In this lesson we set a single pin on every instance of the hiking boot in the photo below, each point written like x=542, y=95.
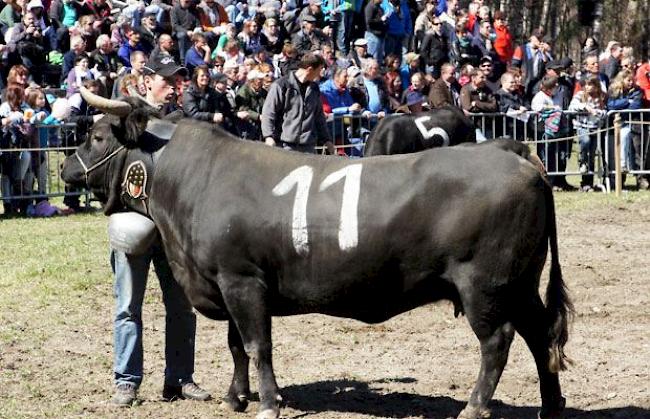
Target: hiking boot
x=643, y=183
x=125, y=395
x=187, y=391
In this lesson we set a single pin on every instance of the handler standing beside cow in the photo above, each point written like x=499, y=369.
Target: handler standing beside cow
x=292, y=116
x=134, y=245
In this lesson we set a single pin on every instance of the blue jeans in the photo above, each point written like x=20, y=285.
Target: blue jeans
x=588, y=143
x=343, y=28
x=375, y=46
x=180, y=321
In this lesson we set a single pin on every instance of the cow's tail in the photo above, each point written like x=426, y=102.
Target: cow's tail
x=558, y=303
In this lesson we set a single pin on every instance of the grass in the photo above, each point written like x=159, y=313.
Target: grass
x=56, y=301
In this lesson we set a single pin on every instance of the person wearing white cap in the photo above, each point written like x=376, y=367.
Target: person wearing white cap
x=249, y=102
x=360, y=52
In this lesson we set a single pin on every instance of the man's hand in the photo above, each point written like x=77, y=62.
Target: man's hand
x=354, y=108
x=242, y=115
x=329, y=147
x=217, y=118
x=269, y=141
x=381, y=114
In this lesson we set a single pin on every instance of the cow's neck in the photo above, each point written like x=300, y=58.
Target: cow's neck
x=140, y=165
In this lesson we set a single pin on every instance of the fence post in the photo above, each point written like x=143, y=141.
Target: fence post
x=617, y=154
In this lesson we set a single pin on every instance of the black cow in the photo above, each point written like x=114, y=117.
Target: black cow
x=253, y=232
x=401, y=134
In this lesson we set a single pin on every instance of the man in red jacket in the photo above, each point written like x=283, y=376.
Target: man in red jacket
x=503, y=44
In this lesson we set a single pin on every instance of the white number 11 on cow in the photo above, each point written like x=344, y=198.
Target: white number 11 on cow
x=301, y=178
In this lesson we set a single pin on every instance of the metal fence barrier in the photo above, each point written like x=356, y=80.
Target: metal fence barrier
x=28, y=174
x=30, y=166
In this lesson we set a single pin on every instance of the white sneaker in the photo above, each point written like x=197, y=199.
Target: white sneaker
x=583, y=168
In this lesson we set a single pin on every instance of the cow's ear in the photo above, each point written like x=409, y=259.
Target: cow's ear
x=119, y=133
x=135, y=125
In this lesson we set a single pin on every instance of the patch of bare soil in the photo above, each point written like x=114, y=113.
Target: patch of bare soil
x=420, y=364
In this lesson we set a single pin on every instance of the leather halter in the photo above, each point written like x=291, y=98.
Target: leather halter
x=99, y=163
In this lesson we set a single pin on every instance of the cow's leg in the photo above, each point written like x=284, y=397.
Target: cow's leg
x=494, y=355
x=531, y=323
x=245, y=298
x=239, y=392
x=485, y=312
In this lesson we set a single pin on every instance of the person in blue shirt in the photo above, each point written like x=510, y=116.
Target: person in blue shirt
x=400, y=26
x=131, y=45
x=337, y=100
x=199, y=54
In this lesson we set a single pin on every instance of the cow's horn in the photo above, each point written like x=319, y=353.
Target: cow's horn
x=114, y=107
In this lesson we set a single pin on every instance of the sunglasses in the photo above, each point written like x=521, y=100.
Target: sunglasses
x=485, y=65
x=436, y=23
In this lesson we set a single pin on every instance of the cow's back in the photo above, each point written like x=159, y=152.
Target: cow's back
x=410, y=133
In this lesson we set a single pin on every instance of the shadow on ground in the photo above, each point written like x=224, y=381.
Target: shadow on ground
x=350, y=396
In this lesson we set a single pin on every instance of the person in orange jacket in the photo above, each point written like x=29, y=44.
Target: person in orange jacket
x=503, y=44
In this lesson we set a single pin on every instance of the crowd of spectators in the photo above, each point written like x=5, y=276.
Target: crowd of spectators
x=381, y=57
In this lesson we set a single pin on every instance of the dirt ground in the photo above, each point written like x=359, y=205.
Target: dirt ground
x=420, y=364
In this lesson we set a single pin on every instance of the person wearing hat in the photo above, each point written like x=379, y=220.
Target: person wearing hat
x=249, y=102
x=149, y=31
x=486, y=65
x=315, y=10
x=359, y=53
x=292, y=115
x=134, y=246
x=309, y=38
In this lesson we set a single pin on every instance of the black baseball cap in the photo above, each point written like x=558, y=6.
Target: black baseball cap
x=165, y=67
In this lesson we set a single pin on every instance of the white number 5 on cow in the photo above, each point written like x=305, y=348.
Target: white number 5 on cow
x=348, y=223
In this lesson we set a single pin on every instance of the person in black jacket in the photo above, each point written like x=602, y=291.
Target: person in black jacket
x=201, y=101
x=512, y=102
x=376, y=28
x=435, y=49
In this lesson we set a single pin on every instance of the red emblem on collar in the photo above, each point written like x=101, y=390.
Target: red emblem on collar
x=135, y=180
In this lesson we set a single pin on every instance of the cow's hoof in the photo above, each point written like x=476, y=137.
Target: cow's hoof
x=235, y=404
x=471, y=412
x=268, y=414
x=555, y=412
